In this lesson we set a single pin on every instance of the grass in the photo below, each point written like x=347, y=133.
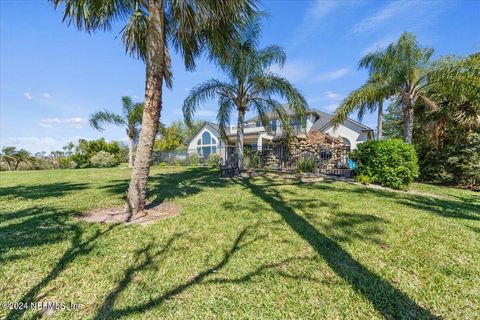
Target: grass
x=243, y=248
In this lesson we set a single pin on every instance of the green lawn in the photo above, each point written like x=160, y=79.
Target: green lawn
x=243, y=248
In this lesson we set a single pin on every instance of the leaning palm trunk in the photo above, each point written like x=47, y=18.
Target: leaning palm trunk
x=379, y=120
x=137, y=190
x=240, y=126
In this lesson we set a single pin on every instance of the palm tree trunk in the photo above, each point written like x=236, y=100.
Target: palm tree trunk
x=137, y=190
x=379, y=120
x=130, y=151
x=408, y=129
x=240, y=126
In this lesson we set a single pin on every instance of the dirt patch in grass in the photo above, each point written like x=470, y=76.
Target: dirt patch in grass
x=152, y=214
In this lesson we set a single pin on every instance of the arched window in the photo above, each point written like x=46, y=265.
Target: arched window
x=206, y=145
x=206, y=138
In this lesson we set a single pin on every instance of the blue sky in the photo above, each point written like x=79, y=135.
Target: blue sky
x=53, y=76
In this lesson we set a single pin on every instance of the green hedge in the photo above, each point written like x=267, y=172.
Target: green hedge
x=390, y=163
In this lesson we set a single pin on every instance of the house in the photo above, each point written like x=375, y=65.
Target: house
x=208, y=139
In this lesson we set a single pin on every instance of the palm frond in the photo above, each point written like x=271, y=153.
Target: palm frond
x=363, y=100
x=271, y=55
x=226, y=106
x=270, y=84
x=135, y=115
x=127, y=105
x=134, y=34
x=100, y=118
x=202, y=93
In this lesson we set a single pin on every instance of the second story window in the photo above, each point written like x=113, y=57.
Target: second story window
x=274, y=125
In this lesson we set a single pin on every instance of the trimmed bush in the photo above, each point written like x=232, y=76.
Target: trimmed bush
x=193, y=159
x=306, y=165
x=213, y=160
x=103, y=159
x=390, y=163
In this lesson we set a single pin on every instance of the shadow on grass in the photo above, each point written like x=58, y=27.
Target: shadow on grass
x=186, y=182
x=204, y=277
x=389, y=301
x=35, y=192
x=463, y=208
x=78, y=247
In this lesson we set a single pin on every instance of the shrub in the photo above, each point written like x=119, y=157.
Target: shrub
x=390, y=163
x=193, y=159
x=213, y=160
x=363, y=179
x=103, y=159
x=306, y=165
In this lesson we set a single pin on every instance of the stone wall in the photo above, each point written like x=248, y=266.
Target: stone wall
x=328, y=152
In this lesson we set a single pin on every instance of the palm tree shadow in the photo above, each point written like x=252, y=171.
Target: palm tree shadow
x=107, y=312
x=35, y=192
x=78, y=247
x=186, y=182
x=385, y=298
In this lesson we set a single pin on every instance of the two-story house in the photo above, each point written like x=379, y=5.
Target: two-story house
x=208, y=139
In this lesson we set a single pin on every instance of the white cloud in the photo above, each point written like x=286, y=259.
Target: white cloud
x=49, y=122
x=372, y=22
x=332, y=95
x=46, y=95
x=332, y=75
x=75, y=122
x=28, y=95
x=331, y=107
x=403, y=15
x=294, y=71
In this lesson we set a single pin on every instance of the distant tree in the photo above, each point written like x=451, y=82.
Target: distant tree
x=251, y=86
x=131, y=118
x=169, y=138
x=186, y=132
x=393, y=121
x=13, y=157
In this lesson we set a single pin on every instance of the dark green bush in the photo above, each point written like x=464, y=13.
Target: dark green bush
x=390, y=163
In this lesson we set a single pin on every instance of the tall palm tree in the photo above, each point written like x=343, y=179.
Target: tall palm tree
x=366, y=99
x=131, y=118
x=152, y=27
x=402, y=71
x=251, y=87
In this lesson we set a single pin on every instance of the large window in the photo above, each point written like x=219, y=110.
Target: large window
x=206, y=145
x=347, y=143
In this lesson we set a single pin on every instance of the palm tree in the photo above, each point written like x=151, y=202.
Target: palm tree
x=190, y=26
x=371, y=95
x=367, y=98
x=402, y=71
x=131, y=118
x=251, y=87
x=14, y=157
